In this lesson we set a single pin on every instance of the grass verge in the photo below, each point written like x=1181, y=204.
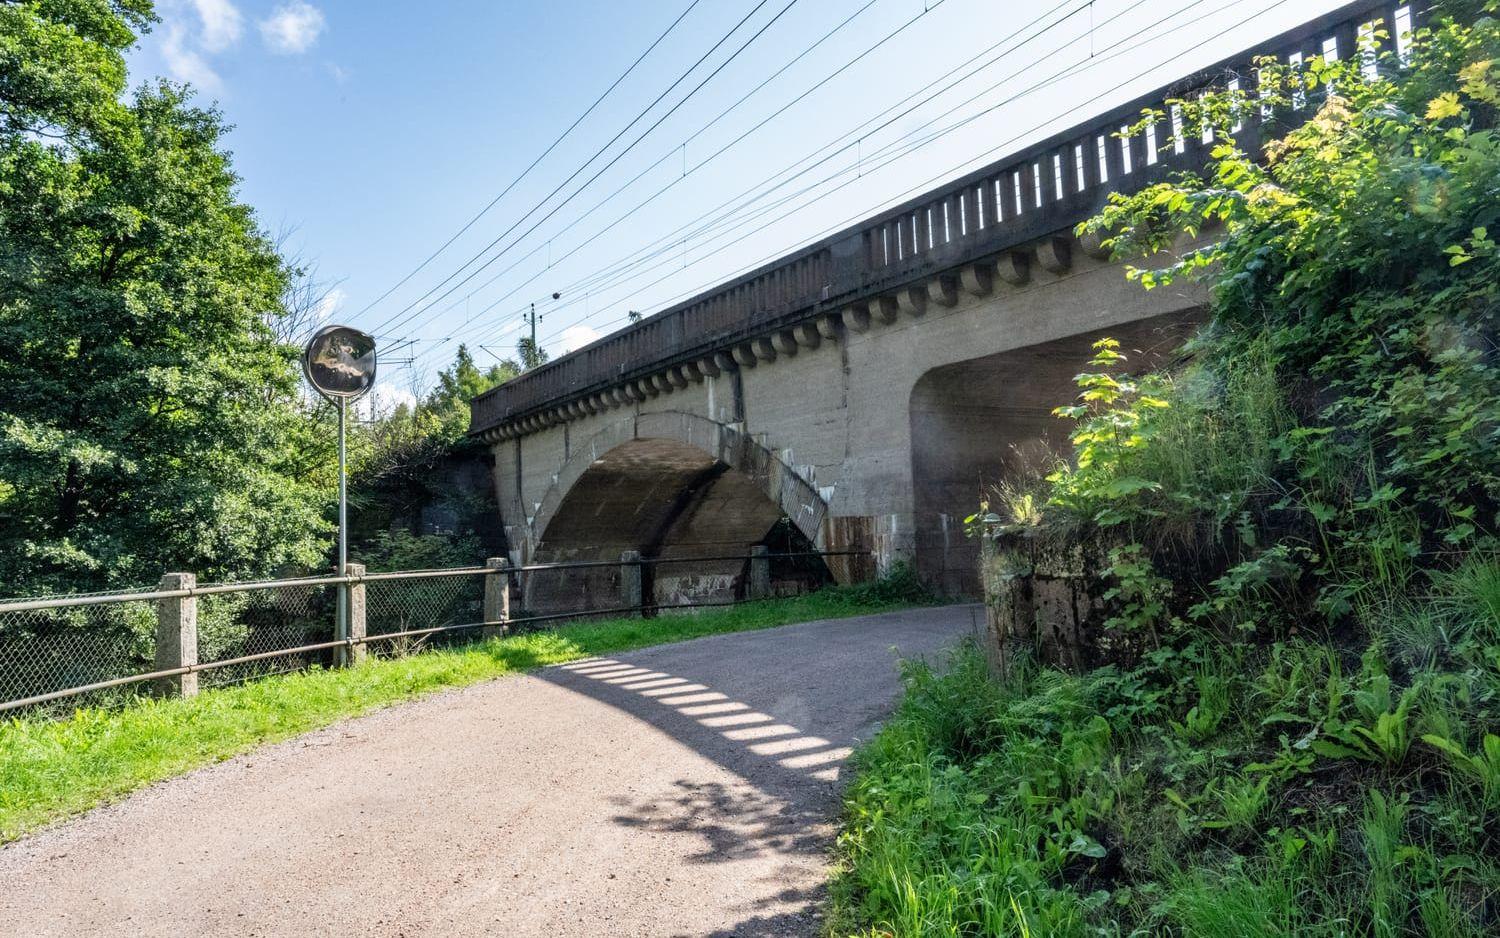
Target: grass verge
x=1233, y=793
x=52, y=768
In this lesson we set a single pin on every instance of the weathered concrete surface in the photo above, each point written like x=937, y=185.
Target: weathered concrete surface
x=881, y=436
x=684, y=790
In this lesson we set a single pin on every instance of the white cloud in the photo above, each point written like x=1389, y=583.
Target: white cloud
x=573, y=338
x=383, y=400
x=221, y=24
x=328, y=305
x=292, y=28
x=185, y=63
x=195, y=30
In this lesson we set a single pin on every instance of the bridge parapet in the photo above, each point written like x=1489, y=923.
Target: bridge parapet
x=989, y=225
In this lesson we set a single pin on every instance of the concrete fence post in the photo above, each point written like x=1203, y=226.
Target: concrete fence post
x=759, y=586
x=358, y=627
x=177, y=635
x=630, y=580
x=496, y=598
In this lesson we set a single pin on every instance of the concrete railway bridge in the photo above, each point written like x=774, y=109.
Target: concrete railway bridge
x=863, y=391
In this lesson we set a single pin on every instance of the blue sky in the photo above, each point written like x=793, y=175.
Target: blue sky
x=375, y=131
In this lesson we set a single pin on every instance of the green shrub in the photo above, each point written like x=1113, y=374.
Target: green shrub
x=1301, y=520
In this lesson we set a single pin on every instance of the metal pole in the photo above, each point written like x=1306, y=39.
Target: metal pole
x=341, y=626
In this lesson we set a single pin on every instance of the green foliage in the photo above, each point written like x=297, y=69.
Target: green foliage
x=150, y=419
x=1299, y=529
x=408, y=465
x=448, y=401
x=1358, y=261
x=62, y=66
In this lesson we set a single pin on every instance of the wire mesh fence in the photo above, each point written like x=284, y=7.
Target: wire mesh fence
x=60, y=652
x=44, y=651
x=246, y=624
x=395, y=607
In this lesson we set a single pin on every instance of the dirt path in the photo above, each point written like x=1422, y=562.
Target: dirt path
x=681, y=790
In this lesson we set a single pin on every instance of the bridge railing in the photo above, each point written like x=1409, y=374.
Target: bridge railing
x=103, y=649
x=1046, y=188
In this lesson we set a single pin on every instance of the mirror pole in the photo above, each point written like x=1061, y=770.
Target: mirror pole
x=341, y=626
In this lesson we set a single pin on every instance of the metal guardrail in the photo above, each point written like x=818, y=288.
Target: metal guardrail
x=1043, y=189
x=64, y=647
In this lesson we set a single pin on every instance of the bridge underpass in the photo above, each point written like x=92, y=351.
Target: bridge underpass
x=665, y=499
x=865, y=390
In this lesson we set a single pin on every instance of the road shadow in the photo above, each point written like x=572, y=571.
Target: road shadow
x=783, y=710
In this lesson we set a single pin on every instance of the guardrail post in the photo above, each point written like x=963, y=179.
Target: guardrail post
x=358, y=628
x=759, y=586
x=177, y=635
x=496, y=598
x=630, y=580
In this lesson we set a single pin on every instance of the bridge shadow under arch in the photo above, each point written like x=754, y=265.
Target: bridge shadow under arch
x=671, y=486
x=979, y=423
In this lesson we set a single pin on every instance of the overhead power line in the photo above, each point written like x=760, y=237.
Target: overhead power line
x=927, y=183
x=1080, y=5
x=534, y=163
x=600, y=152
x=675, y=150
x=732, y=216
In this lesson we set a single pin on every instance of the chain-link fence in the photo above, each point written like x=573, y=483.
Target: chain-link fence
x=58, y=652
x=248, y=624
x=51, y=649
x=394, y=608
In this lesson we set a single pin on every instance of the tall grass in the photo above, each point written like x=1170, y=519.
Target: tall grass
x=1214, y=791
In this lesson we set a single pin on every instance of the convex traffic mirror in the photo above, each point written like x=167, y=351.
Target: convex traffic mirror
x=339, y=362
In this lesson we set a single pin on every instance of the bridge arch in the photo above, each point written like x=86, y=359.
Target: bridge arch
x=669, y=485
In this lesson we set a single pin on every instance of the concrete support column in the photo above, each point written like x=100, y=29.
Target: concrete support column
x=979, y=279
x=1014, y=268
x=496, y=598
x=630, y=580
x=1092, y=243
x=358, y=627
x=177, y=635
x=759, y=584
x=913, y=301
x=828, y=326
x=1056, y=254
x=857, y=318
x=807, y=335
x=943, y=290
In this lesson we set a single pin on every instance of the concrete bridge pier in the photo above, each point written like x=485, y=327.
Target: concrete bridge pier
x=878, y=427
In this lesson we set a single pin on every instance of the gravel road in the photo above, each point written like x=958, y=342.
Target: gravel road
x=687, y=789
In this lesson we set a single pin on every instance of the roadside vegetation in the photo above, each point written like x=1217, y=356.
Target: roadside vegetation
x=51, y=768
x=1288, y=718
x=151, y=410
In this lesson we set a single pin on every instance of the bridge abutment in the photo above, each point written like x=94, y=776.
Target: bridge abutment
x=880, y=440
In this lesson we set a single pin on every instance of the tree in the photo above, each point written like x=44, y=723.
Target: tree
x=148, y=418
x=530, y=353
x=413, y=456
x=62, y=67
x=448, y=402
